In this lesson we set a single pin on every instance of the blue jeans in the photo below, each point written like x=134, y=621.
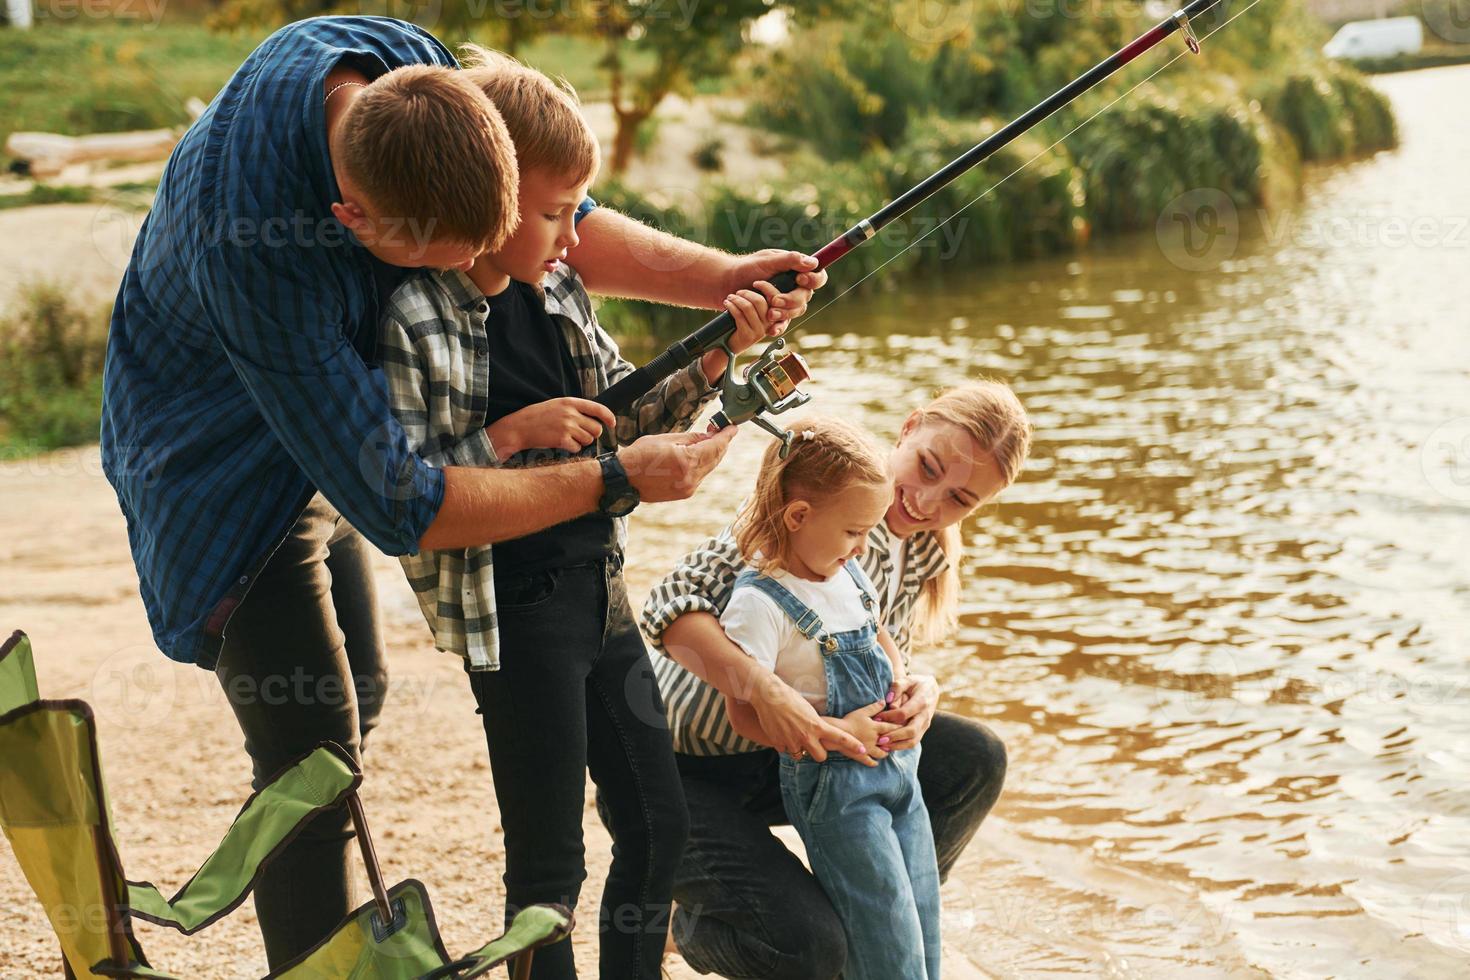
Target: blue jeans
x=575, y=695
x=747, y=907
x=866, y=829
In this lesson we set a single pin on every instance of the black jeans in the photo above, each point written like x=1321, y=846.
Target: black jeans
x=747, y=907
x=575, y=693
x=302, y=663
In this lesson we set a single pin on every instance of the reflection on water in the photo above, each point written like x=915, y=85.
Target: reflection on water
x=1221, y=623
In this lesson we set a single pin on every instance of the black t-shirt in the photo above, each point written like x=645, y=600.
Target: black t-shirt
x=530, y=363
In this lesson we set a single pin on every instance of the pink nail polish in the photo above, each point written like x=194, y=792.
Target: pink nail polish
x=888, y=697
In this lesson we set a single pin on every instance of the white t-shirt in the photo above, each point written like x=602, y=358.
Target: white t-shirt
x=899, y=549
x=762, y=628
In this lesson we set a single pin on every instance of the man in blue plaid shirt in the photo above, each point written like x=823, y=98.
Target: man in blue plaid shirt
x=247, y=429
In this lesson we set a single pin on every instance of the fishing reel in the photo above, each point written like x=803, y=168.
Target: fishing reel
x=769, y=385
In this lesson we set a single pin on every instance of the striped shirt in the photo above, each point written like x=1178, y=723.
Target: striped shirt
x=434, y=353
x=703, y=581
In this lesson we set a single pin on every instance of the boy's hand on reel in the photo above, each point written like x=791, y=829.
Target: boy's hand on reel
x=751, y=310
x=760, y=266
x=568, y=423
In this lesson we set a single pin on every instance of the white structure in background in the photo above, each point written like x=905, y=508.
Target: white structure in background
x=1376, y=38
x=18, y=13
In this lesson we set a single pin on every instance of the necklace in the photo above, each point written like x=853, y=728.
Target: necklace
x=341, y=85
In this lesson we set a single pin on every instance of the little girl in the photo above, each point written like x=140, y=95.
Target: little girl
x=806, y=610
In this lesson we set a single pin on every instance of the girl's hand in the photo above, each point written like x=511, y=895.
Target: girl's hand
x=915, y=699
x=560, y=423
x=751, y=310
x=876, y=736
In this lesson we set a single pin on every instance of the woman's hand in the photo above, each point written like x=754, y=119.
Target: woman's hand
x=915, y=699
x=559, y=423
x=793, y=726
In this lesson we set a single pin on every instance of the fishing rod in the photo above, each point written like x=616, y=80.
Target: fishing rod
x=771, y=383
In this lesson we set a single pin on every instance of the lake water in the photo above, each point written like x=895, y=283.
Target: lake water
x=1221, y=623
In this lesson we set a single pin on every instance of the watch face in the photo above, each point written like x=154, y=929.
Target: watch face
x=622, y=506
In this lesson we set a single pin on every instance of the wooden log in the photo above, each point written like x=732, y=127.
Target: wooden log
x=47, y=154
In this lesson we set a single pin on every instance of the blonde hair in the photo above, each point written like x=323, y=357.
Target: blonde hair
x=835, y=456
x=989, y=411
x=425, y=144
x=543, y=116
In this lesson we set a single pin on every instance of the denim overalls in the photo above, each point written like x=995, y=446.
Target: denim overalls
x=866, y=830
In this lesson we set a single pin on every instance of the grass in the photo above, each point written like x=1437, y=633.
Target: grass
x=51, y=356
x=1428, y=58
x=52, y=84
x=46, y=194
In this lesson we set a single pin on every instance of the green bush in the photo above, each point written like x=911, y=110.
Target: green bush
x=1151, y=148
x=51, y=358
x=1330, y=114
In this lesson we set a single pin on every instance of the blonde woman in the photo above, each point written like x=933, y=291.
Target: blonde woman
x=746, y=906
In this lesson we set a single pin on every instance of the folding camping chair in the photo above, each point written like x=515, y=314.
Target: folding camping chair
x=54, y=811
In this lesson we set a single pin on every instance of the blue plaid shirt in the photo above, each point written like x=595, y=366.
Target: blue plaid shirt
x=240, y=375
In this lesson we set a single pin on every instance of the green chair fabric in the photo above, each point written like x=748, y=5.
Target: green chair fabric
x=267, y=823
x=17, y=673
x=54, y=812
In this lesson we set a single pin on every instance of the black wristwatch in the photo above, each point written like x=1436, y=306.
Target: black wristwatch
x=618, y=495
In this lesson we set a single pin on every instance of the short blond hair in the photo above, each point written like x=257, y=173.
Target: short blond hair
x=424, y=144
x=543, y=115
x=835, y=456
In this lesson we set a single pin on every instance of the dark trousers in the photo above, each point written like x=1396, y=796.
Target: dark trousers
x=574, y=694
x=302, y=663
x=747, y=907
